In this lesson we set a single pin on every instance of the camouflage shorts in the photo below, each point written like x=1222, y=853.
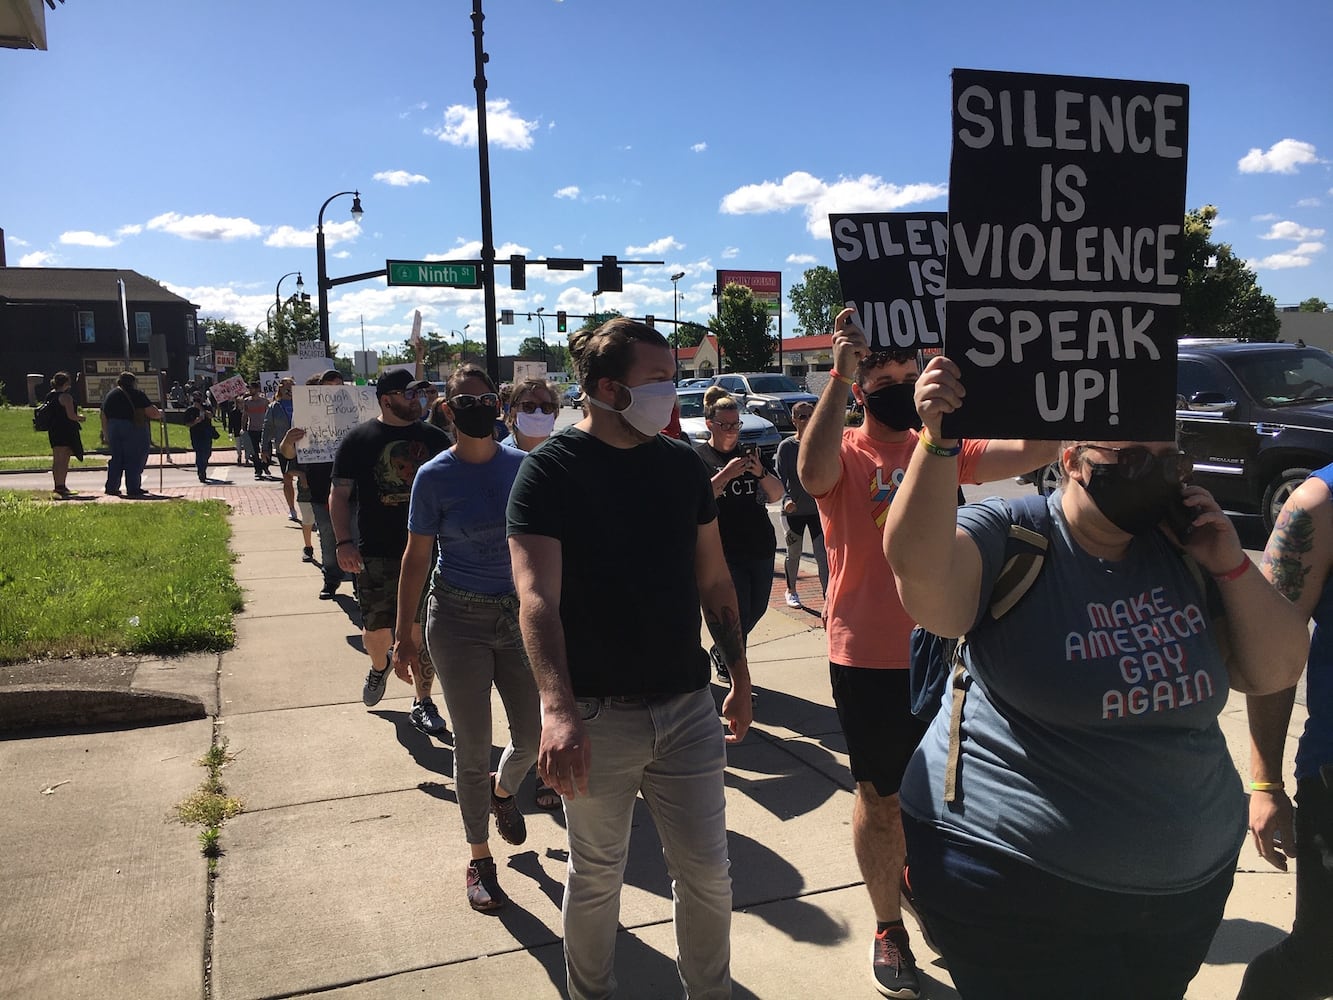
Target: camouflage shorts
x=377, y=593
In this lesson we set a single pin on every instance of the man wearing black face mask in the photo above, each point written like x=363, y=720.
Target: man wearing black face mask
x=379, y=459
x=853, y=473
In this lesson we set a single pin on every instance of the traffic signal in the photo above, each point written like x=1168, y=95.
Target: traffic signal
x=518, y=272
x=609, y=275
x=560, y=325
x=650, y=321
x=303, y=303
x=507, y=317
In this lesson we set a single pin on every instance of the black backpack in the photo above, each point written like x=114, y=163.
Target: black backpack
x=46, y=415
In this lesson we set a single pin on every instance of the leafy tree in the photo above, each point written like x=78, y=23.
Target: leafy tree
x=536, y=349
x=595, y=320
x=1224, y=299
x=816, y=300
x=1314, y=305
x=272, y=344
x=688, y=335
x=223, y=335
x=743, y=330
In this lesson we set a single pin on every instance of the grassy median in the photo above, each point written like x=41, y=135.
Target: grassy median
x=18, y=439
x=88, y=579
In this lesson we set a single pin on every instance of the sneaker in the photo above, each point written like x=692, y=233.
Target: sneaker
x=308, y=554
x=723, y=674
x=329, y=592
x=892, y=965
x=792, y=600
x=426, y=718
x=483, y=887
x=908, y=903
x=373, y=690
x=292, y=516
x=509, y=823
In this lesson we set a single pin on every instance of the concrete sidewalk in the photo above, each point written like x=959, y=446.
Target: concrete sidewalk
x=344, y=875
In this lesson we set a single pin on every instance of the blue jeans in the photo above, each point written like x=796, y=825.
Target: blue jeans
x=1010, y=931
x=328, y=546
x=129, y=455
x=1301, y=966
x=474, y=642
x=671, y=750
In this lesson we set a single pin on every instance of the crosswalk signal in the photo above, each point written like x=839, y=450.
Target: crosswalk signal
x=560, y=325
x=518, y=272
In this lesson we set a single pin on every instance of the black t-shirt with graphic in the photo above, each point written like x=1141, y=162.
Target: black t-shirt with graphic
x=742, y=514
x=383, y=460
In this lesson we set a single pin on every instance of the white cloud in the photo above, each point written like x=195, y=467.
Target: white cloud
x=698, y=147
x=1299, y=257
x=1266, y=217
x=1288, y=230
x=84, y=238
x=334, y=233
x=1309, y=203
x=866, y=193
x=205, y=227
x=38, y=258
x=731, y=253
x=1283, y=157
x=503, y=127
x=341, y=254
x=18, y=242
x=133, y=229
x=664, y=245
x=227, y=302
x=400, y=178
x=802, y=258
x=572, y=191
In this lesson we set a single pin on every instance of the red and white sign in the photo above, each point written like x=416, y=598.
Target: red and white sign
x=229, y=389
x=766, y=285
x=224, y=359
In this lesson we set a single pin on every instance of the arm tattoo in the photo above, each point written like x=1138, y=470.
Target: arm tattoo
x=725, y=627
x=1293, y=537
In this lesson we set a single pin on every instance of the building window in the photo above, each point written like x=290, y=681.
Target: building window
x=143, y=328
x=189, y=329
x=87, y=329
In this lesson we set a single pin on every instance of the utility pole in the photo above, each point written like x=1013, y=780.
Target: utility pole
x=484, y=163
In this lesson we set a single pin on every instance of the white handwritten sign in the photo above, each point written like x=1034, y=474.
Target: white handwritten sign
x=310, y=349
x=229, y=389
x=327, y=413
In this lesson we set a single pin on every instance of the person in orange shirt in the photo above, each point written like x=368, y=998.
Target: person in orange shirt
x=853, y=473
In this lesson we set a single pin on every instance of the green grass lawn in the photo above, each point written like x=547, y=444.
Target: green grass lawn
x=88, y=579
x=17, y=438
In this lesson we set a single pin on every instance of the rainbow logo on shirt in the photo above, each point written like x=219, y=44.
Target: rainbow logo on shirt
x=881, y=494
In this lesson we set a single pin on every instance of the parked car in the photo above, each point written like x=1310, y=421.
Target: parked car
x=573, y=396
x=1255, y=418
x=754, y=429
x=766, y=394
x=690, y=383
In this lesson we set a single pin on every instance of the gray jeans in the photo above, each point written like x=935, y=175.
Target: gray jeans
x=474, y=642
x=671, y=750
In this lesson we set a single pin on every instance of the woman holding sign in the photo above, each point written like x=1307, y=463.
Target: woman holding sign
x=1072, y=815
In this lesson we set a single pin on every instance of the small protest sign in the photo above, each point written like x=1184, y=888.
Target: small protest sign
x=891, y=269
x=1066, y=210
x=310, y=349
x=268, y=382
x=229, y=389
x=327, y=413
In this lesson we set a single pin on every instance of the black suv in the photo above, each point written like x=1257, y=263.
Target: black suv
x=1256, y=418
x=766, y=394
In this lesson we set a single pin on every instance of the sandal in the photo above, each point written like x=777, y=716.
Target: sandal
x=547, y=797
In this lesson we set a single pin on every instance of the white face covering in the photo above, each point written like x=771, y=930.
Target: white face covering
x=649, y=409
x=534, y=425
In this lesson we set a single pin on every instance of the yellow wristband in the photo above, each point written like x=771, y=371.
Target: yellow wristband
x=937, y=449
x=1266, y=786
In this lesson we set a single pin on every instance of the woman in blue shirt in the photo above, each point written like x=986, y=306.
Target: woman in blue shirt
x=458, y=502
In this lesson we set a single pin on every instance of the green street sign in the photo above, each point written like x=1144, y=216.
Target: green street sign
x=445, y=273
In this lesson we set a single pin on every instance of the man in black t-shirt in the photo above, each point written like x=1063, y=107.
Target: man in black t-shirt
x=125, y=415
x=379, y=459
x=615, y=545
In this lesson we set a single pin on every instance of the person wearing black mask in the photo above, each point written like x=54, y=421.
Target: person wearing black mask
x=854, y=474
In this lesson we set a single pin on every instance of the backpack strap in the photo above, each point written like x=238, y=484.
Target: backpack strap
x=1025, y=553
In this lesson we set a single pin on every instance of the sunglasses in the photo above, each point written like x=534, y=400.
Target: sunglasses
x=405, y=393
x=465, y=400
x=800, y=416
x=1138, y=462
x=532, y=406
x=727, y=426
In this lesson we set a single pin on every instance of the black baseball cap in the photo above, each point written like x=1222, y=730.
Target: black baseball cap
x=395, y=381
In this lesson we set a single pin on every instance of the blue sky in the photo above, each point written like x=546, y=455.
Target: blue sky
x=195, y=142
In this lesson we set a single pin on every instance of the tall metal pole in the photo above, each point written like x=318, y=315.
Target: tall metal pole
x=484, y=163
x=322, y=275
x=675, y=318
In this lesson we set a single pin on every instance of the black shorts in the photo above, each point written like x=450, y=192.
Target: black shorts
x=287, y=465
x=875, y=711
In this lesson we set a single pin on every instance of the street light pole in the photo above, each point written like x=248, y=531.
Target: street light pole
x=541, y=332
x=322, y=276
x=675, y=318
x=277, y=297
x=594, y=305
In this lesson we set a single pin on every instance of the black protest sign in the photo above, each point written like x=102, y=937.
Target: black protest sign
x=1066, y=210
x=891, y=269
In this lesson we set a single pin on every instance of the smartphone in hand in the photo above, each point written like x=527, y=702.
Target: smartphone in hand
x=1181, y=518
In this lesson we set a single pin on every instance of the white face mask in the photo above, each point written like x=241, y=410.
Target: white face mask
x=534, y=425
x=649, y=409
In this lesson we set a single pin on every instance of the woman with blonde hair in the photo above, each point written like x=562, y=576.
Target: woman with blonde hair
x=743, y=485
